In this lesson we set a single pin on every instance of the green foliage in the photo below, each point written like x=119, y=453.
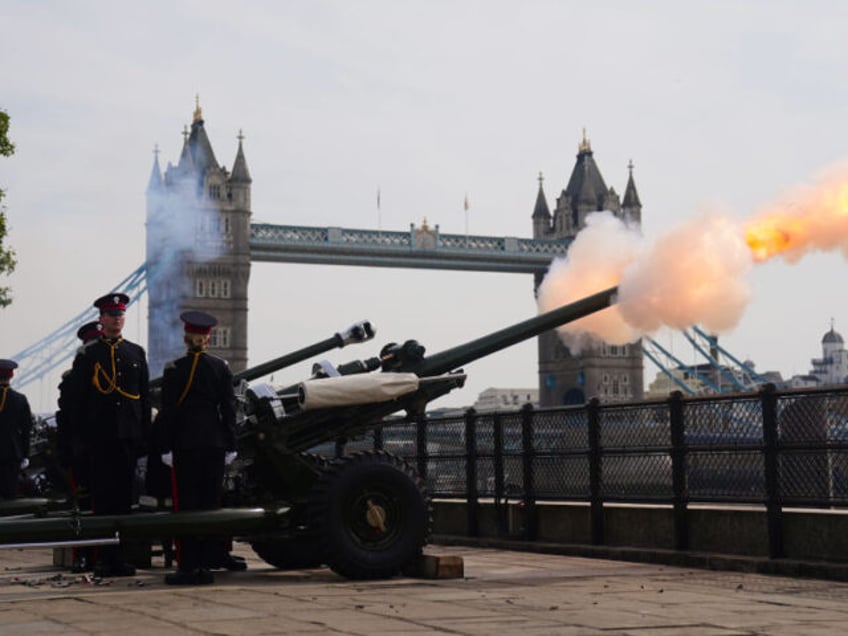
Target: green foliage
x=7, y=255
x=7, y=148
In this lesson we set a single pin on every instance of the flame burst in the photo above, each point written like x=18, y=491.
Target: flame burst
x=814, y=218
x=767, y=239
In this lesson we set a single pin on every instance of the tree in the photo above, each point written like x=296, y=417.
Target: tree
x=7, y=255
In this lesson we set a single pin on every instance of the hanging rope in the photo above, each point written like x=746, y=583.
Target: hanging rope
x=111, y=381
x=196, y=355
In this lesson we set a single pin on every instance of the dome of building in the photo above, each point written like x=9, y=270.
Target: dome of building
x=832, y=337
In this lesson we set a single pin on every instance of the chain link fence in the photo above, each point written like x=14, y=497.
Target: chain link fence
x=772, y=447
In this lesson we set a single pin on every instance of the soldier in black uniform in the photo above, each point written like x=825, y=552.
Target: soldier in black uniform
x=15, y=430
x=198, y=439
x=74, y=454
x=109, y=404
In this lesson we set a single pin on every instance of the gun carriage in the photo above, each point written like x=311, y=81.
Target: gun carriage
x=366, y=514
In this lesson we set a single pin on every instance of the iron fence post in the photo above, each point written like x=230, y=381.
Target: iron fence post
x=471, y=472
x=528, y=503
x=593, y=413
x=498, y=462
x=678, y=470
x=771, y=463
x=421, y=445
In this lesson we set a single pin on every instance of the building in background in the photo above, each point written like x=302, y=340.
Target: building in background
x=493, y=399
x=831, y=368
x=613, y=373
x=705, y=379
x=198, y=255
x=198, y=231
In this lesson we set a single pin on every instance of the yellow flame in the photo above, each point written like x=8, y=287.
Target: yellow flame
x=816, y=218
x=767, y=238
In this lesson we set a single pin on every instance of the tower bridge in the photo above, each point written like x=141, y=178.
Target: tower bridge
x=201, y=243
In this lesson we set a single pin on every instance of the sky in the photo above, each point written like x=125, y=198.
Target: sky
x=721, y=106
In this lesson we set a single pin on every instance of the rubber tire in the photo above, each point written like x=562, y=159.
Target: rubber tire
x=337, y=513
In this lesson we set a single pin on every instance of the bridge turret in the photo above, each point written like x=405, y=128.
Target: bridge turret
x=198, y=250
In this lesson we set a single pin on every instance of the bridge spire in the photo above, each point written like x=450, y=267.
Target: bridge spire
x=240, y=172
x=198, y=114
x=585, y=145
x=631, y=196
x=541, y=211
x=155, y=181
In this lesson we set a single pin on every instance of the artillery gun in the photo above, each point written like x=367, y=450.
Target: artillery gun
x=367, y=514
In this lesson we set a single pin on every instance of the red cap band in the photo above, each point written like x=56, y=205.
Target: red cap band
x=198, y=329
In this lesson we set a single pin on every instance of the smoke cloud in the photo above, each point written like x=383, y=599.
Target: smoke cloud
x=694, y=274
x=596, y=260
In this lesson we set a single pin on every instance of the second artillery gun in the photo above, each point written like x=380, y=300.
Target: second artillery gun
x=367, y=514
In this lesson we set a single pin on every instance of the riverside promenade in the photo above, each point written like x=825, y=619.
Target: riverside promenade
x=502, y=592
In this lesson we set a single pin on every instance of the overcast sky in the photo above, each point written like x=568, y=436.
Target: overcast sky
x=719, y=104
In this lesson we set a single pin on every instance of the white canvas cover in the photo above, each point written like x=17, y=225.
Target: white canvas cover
x=358, y=388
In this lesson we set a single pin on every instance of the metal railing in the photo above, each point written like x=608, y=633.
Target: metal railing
x=771, y=448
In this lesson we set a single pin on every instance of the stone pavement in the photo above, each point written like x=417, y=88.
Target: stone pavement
x=502, y=592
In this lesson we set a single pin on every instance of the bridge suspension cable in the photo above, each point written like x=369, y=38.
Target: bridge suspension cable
x=739, y=375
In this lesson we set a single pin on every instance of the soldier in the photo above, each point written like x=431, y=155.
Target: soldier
x=109, y=404
x=74, y=455
x=72, y=451
x=15, y=431
x=198, y=440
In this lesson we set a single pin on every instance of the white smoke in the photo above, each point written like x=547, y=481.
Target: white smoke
x=596, y=260
x=695, y=274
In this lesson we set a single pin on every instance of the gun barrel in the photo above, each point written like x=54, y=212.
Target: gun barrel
x=454, y=357
x=84, y=528
x=357, y=332
x=252, y=373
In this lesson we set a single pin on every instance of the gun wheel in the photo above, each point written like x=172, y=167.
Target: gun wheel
x=372, y=515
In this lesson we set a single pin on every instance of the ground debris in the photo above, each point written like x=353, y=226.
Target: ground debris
x=63, y=580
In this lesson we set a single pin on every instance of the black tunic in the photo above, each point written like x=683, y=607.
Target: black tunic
x=197, y=424
x=205, y=417
x=108, y=393
x=108, y=406
x=15, y=430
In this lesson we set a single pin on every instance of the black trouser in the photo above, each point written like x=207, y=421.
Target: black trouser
x=9, y=471
x=78, y=480
x=113, y=466
x=200, y=484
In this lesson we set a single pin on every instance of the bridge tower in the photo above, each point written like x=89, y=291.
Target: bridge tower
x=609, y=372
x=198, y=254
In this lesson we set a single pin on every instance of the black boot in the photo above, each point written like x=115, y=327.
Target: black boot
x=180, y=577
x=81, y=564
x=233, y=563
x=194, y=577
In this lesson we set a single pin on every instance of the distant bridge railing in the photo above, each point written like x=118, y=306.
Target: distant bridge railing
x=417, y=248
x=772, y=448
